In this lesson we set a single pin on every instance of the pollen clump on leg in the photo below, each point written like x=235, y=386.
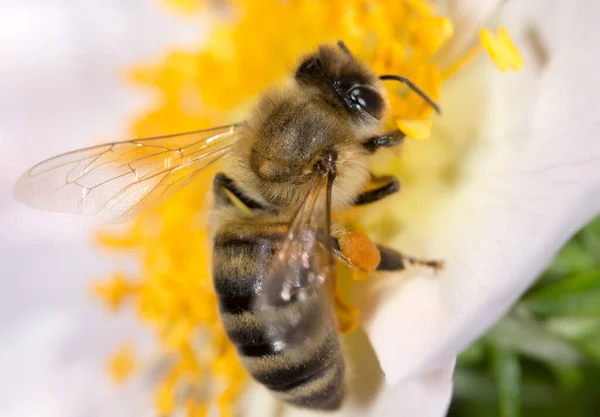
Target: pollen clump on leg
x=359, y=250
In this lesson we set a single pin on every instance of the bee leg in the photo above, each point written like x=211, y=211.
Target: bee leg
x=392, y=260
x=221, y=183
x=387, y=140
x=389, y=186
x=354, y=248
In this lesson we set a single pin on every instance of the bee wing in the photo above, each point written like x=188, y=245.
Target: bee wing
x=304, y=260
x=117, y=181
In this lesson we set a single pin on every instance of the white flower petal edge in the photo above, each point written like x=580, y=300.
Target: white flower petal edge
x=523, y=194
x=368, y=395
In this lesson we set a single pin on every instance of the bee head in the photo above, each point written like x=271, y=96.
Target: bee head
x=344, y=82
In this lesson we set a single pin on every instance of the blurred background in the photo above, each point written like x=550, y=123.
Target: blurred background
x=62, y=82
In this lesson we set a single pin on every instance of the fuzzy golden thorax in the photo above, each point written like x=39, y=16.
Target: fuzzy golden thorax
x=332, y=106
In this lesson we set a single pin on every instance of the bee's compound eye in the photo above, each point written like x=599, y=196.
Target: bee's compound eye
x=309, y=68
x=368, y=100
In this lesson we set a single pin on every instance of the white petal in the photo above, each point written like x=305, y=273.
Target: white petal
x=520, y=195
x=56, y=340
x=368, y=395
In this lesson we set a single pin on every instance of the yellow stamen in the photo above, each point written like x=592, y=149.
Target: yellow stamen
x=114, y=292
x=500, y=47
x=415, y=129
x=346, y=314
x=186, y=6
x=122, y=364
x=193, y=409
x=165, y=394
x=165, y=399
x=502, y=50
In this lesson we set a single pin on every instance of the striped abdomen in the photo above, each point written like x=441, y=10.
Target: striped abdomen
x=307, y=369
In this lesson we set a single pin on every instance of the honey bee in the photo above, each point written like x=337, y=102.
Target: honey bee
x=300, y=155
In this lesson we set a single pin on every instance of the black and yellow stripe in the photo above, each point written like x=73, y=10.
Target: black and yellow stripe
x=307, y=369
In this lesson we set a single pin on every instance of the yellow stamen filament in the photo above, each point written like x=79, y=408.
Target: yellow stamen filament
x=462, y=62
x=500, y=47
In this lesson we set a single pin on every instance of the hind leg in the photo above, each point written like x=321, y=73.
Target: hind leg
x=392, y=260
x=357, y=250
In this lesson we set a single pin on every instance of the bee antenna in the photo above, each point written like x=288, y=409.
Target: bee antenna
x=413, y=87
x=344, y=48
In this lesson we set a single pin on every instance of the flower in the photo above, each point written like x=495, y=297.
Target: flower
x=175, y=293
x=433, y=309
x=191, y=100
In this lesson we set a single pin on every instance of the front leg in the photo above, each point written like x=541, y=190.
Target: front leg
x=222, y=183
x=387, y=140
x=387, y=185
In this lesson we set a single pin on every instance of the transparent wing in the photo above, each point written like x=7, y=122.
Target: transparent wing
x=117, y=181
x=303, y=262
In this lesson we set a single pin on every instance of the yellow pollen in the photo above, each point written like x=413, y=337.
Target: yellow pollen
x=122, y=364
x=114, y=291
x=415, y=129
x=502, y=50
x=174, y=294
x=500, y=47
x=165, y=398
x=186, y=6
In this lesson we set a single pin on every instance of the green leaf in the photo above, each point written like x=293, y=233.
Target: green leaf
x=573, y=328
x=576, y=295
x=507, y=372
x=473, y=385
x=473, y=355
x=590, y=239
x=572, y=259
x=530, y=339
